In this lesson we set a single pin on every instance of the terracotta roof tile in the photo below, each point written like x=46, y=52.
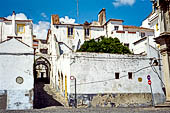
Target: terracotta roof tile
x=135, y=27
x=20, y=20
x=4, y=19
x=117, y=20
x=120, y=31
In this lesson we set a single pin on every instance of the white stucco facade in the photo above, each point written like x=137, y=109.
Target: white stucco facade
x=112, y=28
x=16, y=74
x=21, y=29
x=95, y=74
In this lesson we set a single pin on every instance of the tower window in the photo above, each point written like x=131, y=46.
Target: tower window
x=87, y=32
x=70, y=31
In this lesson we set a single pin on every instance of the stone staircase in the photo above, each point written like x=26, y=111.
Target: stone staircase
x=56, y=95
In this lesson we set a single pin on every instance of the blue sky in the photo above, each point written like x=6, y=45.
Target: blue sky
x=131, y=11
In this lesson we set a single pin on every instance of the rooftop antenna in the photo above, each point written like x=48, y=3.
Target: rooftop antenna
x=77, y=12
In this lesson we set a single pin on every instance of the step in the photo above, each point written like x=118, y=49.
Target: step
x=166, y=104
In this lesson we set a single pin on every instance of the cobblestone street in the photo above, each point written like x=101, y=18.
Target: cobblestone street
x=92, y=110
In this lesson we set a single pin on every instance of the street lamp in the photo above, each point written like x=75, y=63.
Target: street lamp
x=75, y=98
x=153, y=62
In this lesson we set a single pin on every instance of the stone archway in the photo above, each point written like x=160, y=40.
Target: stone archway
x=42, y=98
x=42, y=69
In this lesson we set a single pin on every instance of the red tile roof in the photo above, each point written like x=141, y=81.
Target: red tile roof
x=135, y=27
x=131, y=32
x=21, y=20
x=120, y=31
x=2, y=18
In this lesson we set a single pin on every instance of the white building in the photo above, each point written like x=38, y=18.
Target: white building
x=74, y=35
x=151, y=22
x=20, y=29
x=16, y=75
x=64, y=39
x=107, y=80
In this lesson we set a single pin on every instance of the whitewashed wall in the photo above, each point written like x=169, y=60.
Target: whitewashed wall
x=7, y=31
x=95, y=74
x=16, y=60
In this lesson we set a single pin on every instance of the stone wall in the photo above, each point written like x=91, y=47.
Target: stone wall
x=112, y=100
x=3, y=99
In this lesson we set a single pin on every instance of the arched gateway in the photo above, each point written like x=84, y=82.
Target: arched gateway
x=42, y=69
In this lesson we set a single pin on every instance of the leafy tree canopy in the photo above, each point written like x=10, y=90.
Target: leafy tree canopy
x=104, y=45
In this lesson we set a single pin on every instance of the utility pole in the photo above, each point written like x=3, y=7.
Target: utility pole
x=75, y=94
x=77, y=12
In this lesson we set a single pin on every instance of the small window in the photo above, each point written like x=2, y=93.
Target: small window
x=142, y=34
x=44, y=51
x=70, y=31
x=130, y=75
x=87, y=32
x=116, y=75
x=56, y=27
x=20, y=28
x=116, y=28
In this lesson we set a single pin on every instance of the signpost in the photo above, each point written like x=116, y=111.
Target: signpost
x=75, y=98
x=149, y=83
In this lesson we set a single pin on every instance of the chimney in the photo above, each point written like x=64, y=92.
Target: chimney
x=102, y=16
x=13, y=24
x=55, y=19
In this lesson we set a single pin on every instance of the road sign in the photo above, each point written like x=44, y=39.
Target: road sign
x=149, y=82
x=148, y=77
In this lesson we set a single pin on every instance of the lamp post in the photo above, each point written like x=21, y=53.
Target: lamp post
x=75, y=98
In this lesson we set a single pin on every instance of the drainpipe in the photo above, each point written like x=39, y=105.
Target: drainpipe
x=148, y=47
x=106, y=30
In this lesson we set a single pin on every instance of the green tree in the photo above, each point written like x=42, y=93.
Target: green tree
x=104, y=45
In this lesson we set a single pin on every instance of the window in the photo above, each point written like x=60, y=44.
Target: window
x=87, y=32
x=142, y=34
x=116, y=28
x=126, y=44
x=130, y=75
x=43, y=51
x=21, y=28
x=70, y=31
x=56, y=27
x=116, y=75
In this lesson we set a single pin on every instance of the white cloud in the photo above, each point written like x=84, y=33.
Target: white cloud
x=41, y=29
x=44, y=15
x=19, y=16
x=67, y=20
x=118, y=3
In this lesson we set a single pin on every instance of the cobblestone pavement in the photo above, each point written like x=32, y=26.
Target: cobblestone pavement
x=92, y=110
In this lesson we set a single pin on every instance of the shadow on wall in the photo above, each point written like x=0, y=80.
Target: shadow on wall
x=41, y=98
